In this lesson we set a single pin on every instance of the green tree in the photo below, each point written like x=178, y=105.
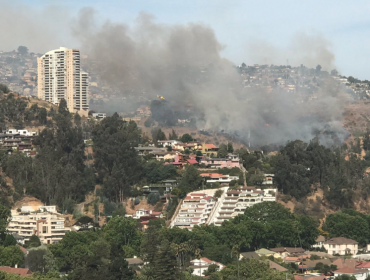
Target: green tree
x=186, y=138
x=9, y=240
x=250, y=270
x=351, y=225
x=22, y=50
x=34, y=241
x=11, y=256
x=165, y=263
x=4, y=88
x=345, y=277
x=266, y=212
x=230, y=148
x=366, y=141
x=211, y=269
x=123, y=232
x=190, y=180
x=222, y=151
x=173, y=135
x=35, y=261
x=116, y=161
x=42, y=116
x=158, y=135
x=4, y=218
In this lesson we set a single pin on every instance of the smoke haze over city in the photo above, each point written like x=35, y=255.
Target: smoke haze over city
x=185, y=63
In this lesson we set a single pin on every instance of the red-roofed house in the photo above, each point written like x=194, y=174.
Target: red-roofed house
x=230, y=161
x=363, y=265
x=192, y=161
x=18, y=271
x=209, y=149
x=202, y=264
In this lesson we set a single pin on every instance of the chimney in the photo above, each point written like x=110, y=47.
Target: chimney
x=16, y=266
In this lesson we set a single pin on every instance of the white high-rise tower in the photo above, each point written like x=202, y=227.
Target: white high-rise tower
x=60, y=76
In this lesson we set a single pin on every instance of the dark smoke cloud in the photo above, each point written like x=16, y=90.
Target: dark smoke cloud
x=183, y=63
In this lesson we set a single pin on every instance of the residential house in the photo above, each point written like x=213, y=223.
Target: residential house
x=135, y=263
x=342, y=246
x=288, y=251
x=267, y=253
x=268, y=179
x=275, y=266
x=295, y=260
x=360, y=274
x=248, y=255
x=218, y=178
x=16, y=270
x=169, y=143
x=178, y=161
x=140, y=213
x=209, y=150
x=311, y=264
x=21, y=132
x=363, y=265
x=199, y=266
x=319, y=242
x=269, y=194
x=368, y=247
x=147, y=150
x=341, y=263
x=99, y=116
x=230, y=161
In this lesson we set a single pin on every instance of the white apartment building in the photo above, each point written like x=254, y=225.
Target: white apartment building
x=195, y=210
x=43, y=221
x=60, y=76
x=235, y=202
x=201, y=208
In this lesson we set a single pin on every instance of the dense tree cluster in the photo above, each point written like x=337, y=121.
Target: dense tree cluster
x=350, y=224
x=116, y=161
x=58, y=172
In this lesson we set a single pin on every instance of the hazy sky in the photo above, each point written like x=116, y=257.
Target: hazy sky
x=239, y=25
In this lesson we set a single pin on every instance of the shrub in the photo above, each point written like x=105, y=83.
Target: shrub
x=153, y=198
x=137, y=201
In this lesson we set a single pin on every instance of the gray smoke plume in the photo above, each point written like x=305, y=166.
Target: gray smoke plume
x=307, y=48
x=183, y=63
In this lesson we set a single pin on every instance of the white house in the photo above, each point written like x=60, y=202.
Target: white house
x=341, y=246
x=360, y=274
x=146, y=213
x=319, y=242
x=24, y=132
x=269, y=194
x=268, y=180
x=199, y=266
x=167, y=143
